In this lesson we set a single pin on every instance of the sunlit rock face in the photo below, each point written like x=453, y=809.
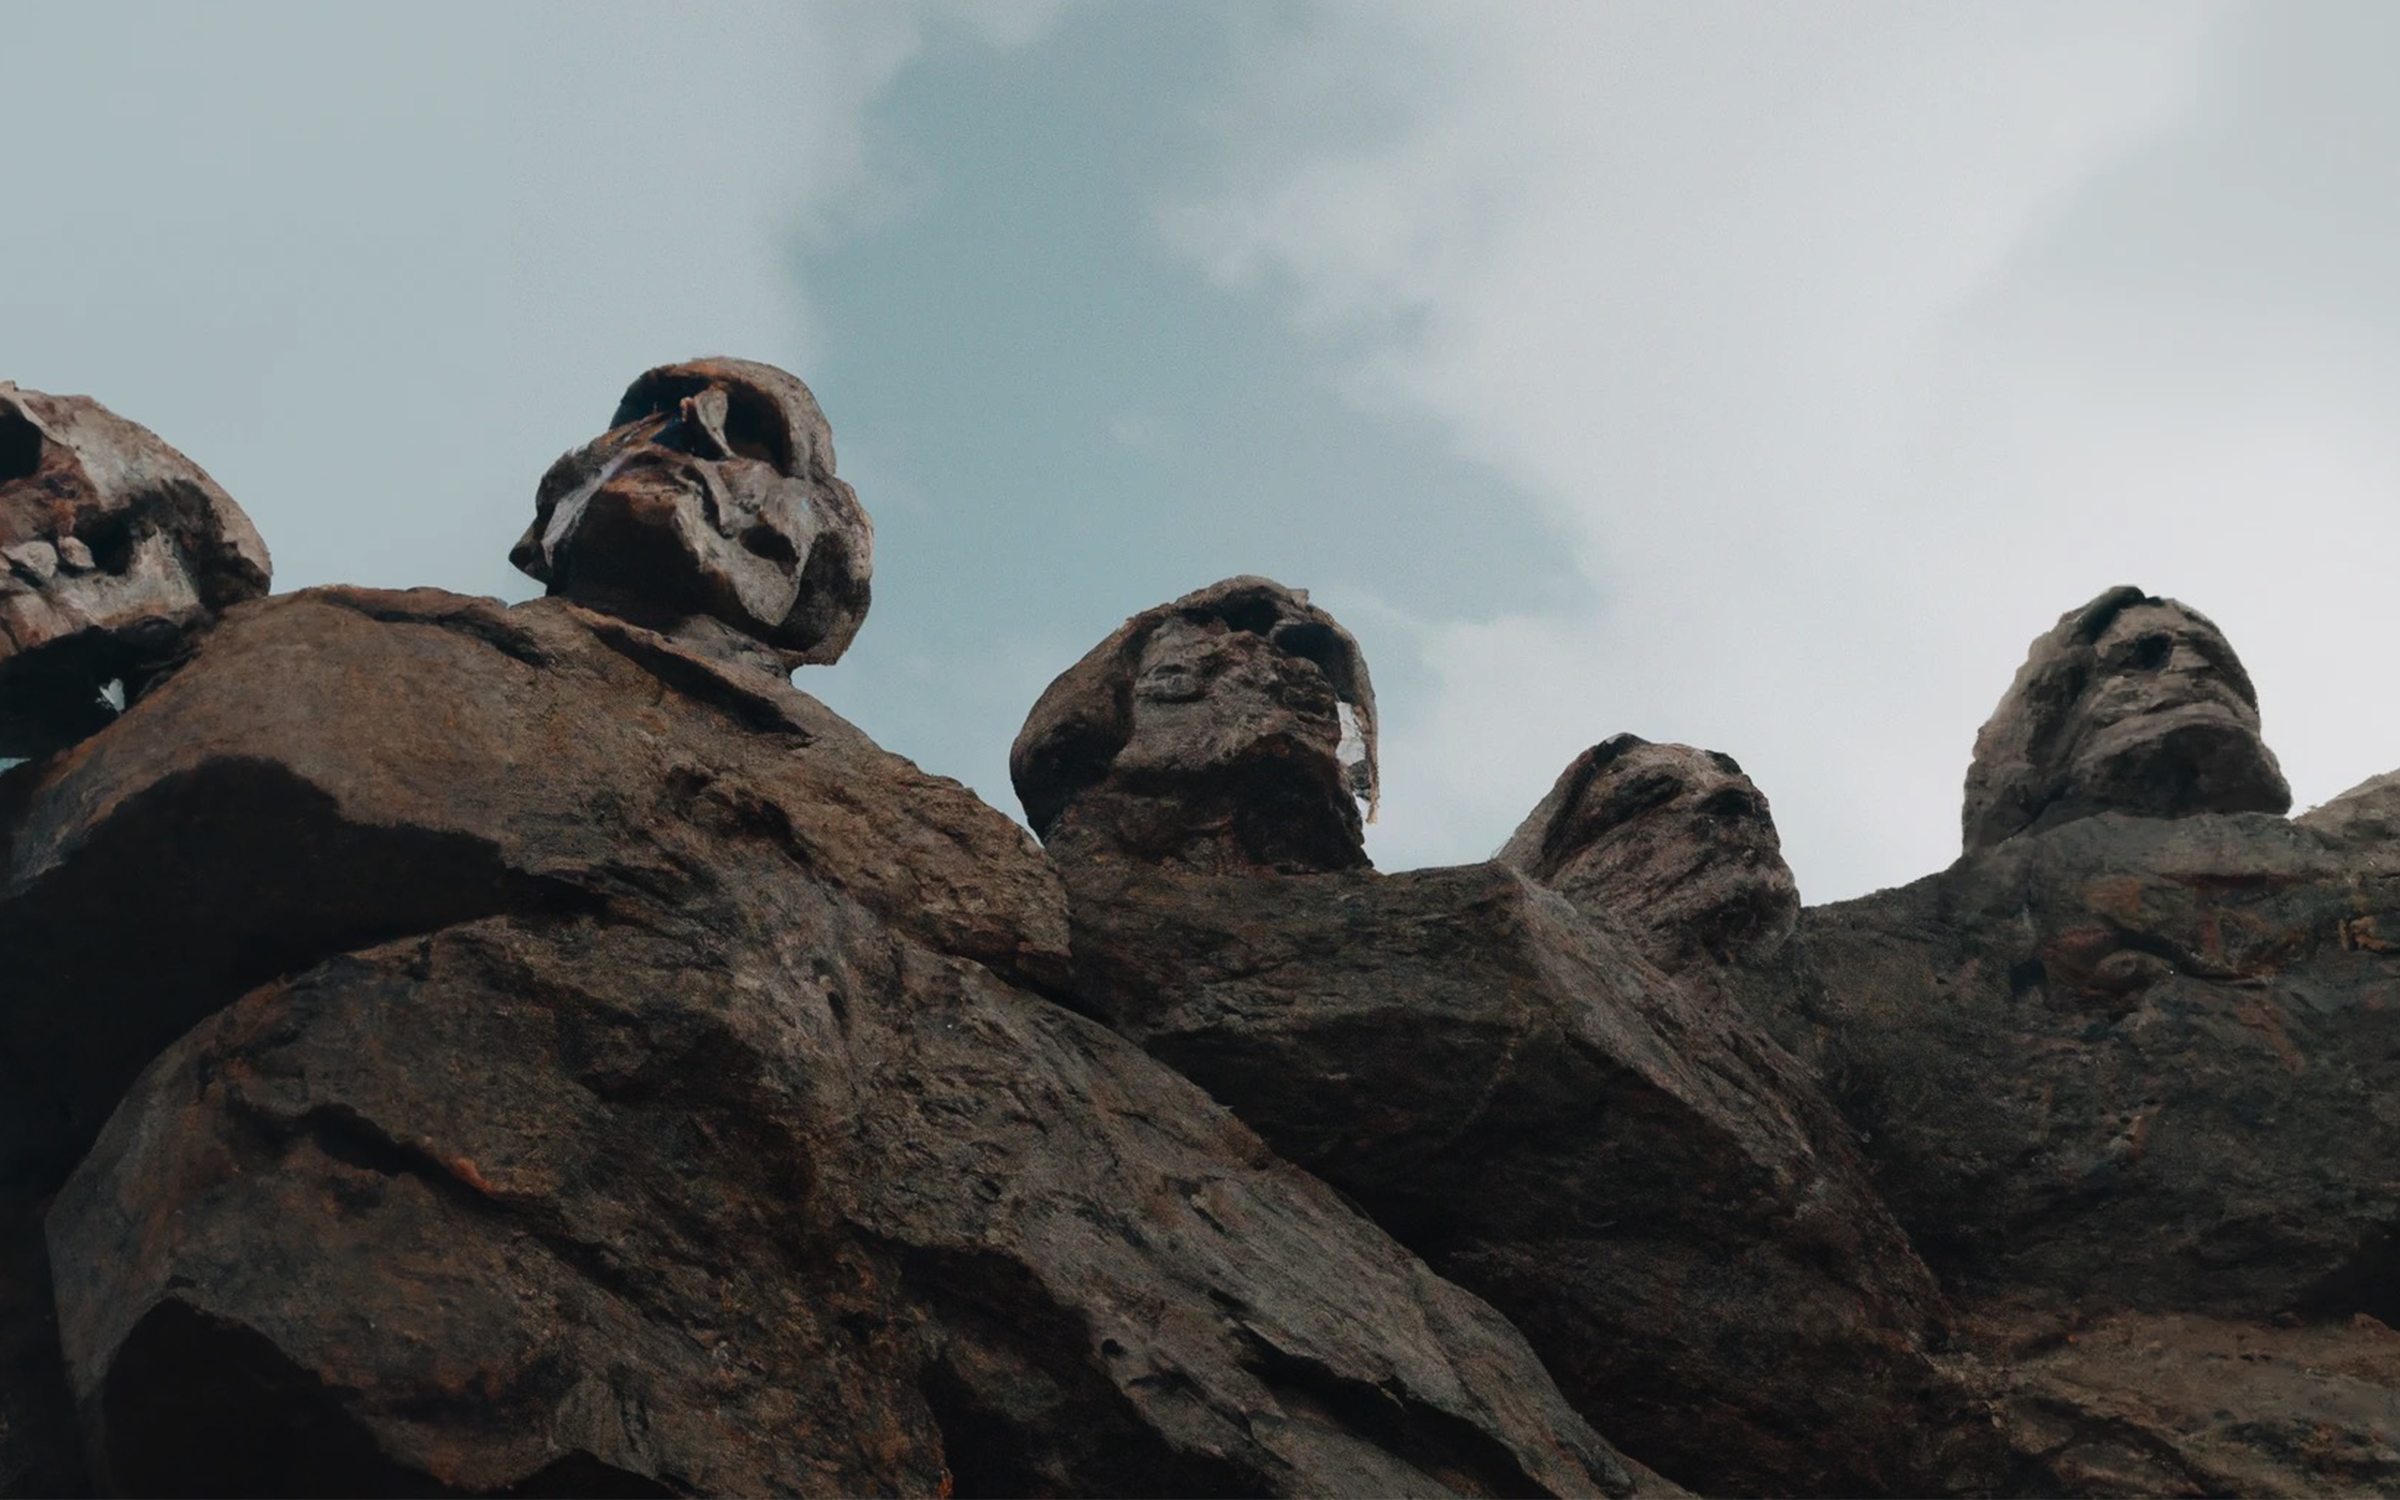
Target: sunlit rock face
x=1672, y=842
x=1231, y=729
x=116, y=552
x=2132, y=704
x=712, y=495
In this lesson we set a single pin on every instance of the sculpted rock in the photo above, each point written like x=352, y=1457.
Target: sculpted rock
x=712, y=494
x=2130, y=704
x=1642, y=1181
x=116, y=551
x=677, y=1112
x=1232, y=729
x=2128, y=1080
x=1674, y=843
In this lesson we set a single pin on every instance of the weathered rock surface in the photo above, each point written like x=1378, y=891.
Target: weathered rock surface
x=1504, y=1083
x=2130, y=704
x=2128, y=1082
x=116, y=552
x=557, y=1057
x=711, y=494
x=1231, y=729
x=457, y=1049
x=1647, y=1186
x=1673, y=842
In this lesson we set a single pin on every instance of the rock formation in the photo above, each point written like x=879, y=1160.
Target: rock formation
x=560, y=1057
x=1233, y=729
x=116, y=552
x=1673, y=841
x=455, y=1048
x=2130, y=704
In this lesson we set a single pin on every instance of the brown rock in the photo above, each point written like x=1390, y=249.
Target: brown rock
x=1674, y=843
x=1634, y=1174
x=2130, y=704
x=1232, y=729
x=712, y=493
x=116, y=552
x=675, y=1111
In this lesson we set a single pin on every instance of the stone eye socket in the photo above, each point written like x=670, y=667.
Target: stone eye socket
x=2151, y=652
x=20, y=447
x=1638, y=795
x=1732, y=802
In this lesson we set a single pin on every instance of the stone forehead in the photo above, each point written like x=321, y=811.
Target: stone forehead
x=1085, y=716
x=777, y=395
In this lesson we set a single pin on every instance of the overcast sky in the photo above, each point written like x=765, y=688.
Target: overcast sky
x=1764, y=377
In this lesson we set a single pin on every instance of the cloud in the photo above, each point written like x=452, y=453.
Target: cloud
x=1845, y=348
x=376, y=268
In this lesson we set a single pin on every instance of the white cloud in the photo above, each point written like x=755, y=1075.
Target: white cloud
x=1846, y=347
x=376, y=268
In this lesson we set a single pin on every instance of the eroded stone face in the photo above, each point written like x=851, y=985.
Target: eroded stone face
x=2132, y=704
x=1233, y=728
x=1671, y=841
x=116, y=552
x=712, y=494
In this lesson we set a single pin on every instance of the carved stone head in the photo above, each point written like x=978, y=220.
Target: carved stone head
x=2130, y=704
x=116, y=552
x=1671, y=842
x=711, y=494
x=1233, y=729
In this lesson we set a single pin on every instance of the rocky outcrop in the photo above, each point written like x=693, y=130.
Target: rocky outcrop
x=2124, y=1081
x=452, y=1048
x=1507, y=1085
x=533, y=1051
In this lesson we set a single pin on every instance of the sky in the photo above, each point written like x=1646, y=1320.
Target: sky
x=1758, y=377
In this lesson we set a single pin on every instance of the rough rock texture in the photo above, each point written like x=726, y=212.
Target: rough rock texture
x=449, y=1048
x=712, y=493
x=1645, y=1184
x=2130, y=704
x=2129, y=1084
x=116, y=552
x=677, y=1111
x=1231, y=729
x=1503, y=1083
x=1673, y=841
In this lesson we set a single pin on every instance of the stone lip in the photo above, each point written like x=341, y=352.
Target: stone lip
x=1233, y=728
x=2131, y=703
x=116, y=553
x=713, y=493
